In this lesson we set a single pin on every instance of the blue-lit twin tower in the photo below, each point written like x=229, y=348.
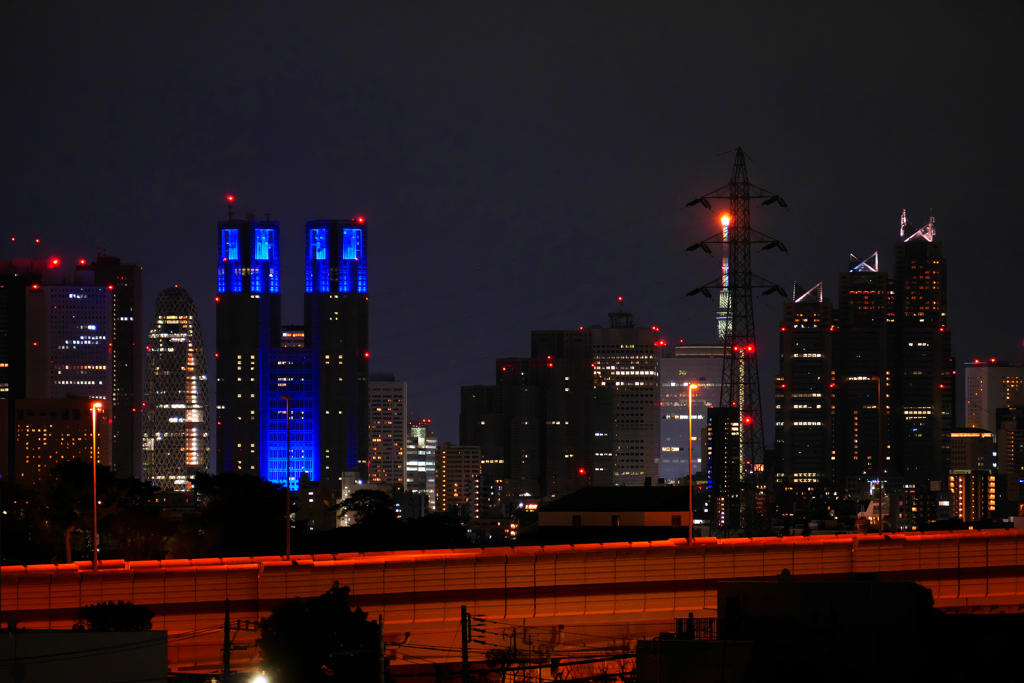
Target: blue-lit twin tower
x=324, y=382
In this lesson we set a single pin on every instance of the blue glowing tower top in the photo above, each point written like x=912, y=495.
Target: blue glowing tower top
x=335, y=257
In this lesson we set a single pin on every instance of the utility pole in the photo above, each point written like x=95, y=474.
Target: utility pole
x=227, y=640
x=380, y=644
x=465, y=645
x=740, y=381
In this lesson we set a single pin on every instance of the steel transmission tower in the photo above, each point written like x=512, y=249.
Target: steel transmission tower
x=740, y=383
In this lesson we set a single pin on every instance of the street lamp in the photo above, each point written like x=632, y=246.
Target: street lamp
x=288, y=478
x=689, y=443
x=95, y=522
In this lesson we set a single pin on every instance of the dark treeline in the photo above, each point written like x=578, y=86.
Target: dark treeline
x=234, y=515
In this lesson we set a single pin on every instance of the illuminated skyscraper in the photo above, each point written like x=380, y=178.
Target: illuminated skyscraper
x=337, y=324
x=124, y=280
x=803, y=390
x=990, y=385
x=248, y=322
x=421, y=460
x=176, y=438
x=289, y=441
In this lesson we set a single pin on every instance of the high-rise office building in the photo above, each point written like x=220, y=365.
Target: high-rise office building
x=421, y=460
x=337, y=325
x=248, y=323
x=176, y=435
x=626, y=374
x=923, y=387
x=990, y=385
x=386, y=463
x=458, y=480
x=124, y=280
x=699, y=364
x=973, y=493
x=803, y=391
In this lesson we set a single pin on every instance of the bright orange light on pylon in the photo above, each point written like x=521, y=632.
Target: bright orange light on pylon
x=726, y=220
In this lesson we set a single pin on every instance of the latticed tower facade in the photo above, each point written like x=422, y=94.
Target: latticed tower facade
x=176, y=438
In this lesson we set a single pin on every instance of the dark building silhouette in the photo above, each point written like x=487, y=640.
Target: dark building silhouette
x=803, y=391
x=125, y=283
x=337, y=325
x=923, y=373
x=248, y=322
x=862, y=369
x=15, y=278
x=699, y=364
x=724, y=472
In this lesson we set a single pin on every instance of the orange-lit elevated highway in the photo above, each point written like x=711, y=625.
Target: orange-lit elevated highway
x=557, y=597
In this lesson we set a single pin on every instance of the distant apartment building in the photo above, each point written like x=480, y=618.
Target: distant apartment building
x=973, y=494
x=686, y=364
x=724, y=472
x=972, y=449
x=458, y=480
x=386, y=462
x=49, y=431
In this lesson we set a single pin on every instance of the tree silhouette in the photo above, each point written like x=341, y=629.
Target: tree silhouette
x=320, y=639
x=115, y=616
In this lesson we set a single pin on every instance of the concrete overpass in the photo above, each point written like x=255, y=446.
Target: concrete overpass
x=585, y=598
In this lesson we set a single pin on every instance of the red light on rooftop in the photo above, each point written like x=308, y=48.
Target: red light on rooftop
x=367, y=354
x=360, y=220
x=110, y=286
x=231, y=197
x=216, y=298
x=620, y=298
x=37, y=287
x=993, y=360
x=81, y=261
x=976, y=361
x=37, y=240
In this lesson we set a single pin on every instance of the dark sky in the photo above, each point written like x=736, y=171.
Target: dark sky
x=520, y=165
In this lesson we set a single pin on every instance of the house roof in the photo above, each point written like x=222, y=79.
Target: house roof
x=622, y=499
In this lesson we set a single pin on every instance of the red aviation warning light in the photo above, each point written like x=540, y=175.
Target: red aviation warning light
x=747, y=419
x=582, y=471
x=726, y=220
x=81, y=261
x=54, y=262
x=360, y=220
x=231, y=198
x=750, y=348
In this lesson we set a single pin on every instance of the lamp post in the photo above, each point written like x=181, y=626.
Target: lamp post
x=95, y=509
x=288, y=478
x=878, y=380
x=689, y=444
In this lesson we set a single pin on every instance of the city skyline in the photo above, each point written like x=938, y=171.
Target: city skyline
x=551, y=210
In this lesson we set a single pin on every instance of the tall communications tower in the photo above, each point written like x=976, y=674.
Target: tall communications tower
x=740, y=384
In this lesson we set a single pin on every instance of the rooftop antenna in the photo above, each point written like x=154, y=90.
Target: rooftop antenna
x=268, y=217
x=231, y=213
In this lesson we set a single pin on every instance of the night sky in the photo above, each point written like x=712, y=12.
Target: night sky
x=520, y=165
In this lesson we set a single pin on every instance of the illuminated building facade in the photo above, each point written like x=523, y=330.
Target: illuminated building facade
x=626, y=375
x=124, y=280
x=289, y=441
x=458, y=480
x=421, y=460
x=388, y=419
x=176, y=437
x=724, y=461
x=248, y=323
x=49, y=431
x=337, y=323
x=699, y=364
x=803, y=391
